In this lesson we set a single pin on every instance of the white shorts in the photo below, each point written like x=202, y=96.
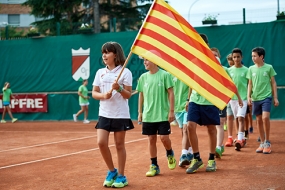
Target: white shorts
x=237, y=110
x=84, y=104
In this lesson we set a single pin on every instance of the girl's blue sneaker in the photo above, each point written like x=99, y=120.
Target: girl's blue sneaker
x=121, y=181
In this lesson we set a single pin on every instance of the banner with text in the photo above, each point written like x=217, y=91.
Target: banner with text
x=27, y=103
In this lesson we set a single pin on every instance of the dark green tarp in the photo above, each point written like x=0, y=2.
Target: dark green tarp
x=44, y=64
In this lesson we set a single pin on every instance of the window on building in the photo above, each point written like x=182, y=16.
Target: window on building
x=14, y=19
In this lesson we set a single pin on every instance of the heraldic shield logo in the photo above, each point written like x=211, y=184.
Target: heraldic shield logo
x=80, y=64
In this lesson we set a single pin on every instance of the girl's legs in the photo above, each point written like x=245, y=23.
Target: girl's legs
x=4, y=112
x=119, y=138
x=9, y=112
x=102, y=141
x=80, y=111
x=85, y=108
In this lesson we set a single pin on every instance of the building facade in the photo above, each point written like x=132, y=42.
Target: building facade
x=13, y=13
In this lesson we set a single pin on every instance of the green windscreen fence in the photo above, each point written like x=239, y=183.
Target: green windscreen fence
x=44, y=65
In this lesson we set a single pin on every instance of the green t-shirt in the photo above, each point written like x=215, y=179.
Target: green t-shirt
x=238, y=76
x=154, y=88
x=198, y=99
x=181, y=91
x=226, y=69
x=261, y=81
x=6, y=94
x=84, y=91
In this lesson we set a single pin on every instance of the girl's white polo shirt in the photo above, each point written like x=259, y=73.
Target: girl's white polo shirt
x=116, y=106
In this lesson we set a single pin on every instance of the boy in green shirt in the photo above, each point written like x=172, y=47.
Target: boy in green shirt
x=7, y=93
x=223, y=113
x=181, y=91
x=203, y=113
x=238, y=74
x=261, y=87
x=156, y=111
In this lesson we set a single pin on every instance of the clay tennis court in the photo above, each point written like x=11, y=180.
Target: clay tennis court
x=65, y=155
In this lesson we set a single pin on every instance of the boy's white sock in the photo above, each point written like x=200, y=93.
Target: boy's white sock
x=240, y=136
x=190, y=150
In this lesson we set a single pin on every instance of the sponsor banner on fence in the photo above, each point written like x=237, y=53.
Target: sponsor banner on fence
x=27, y=103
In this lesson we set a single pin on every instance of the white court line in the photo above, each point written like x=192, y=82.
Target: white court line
x=63, y=132
x=25, y=147
x=37, y=145
x=64, y=155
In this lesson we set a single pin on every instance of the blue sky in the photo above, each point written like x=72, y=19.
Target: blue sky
x=228, y=11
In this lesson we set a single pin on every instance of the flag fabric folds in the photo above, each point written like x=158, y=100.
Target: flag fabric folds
x=169, y=41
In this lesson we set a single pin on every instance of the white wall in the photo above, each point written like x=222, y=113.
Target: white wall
x=12, y=1
x=3, y=18
x=26, y=20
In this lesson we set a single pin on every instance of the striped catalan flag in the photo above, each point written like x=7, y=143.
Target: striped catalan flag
x=169, y=41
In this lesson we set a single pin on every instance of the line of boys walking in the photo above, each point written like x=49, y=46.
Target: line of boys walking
x=255, y=86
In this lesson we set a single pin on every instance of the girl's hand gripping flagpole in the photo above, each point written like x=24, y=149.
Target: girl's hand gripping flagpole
x=125, y=64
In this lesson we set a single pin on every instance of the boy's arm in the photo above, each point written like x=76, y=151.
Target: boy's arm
x=171, y=116
x=141, y=100
x=274, y=91
x=240, y=102
x=249, y=89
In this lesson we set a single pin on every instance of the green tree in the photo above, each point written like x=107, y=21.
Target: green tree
x=129, y=14
x=70, y=14
x=51, y=12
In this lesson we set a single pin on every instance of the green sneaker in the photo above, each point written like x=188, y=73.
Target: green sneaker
x=194, y=166
x=218, y=152
x=14, y=120
x=171, y=161
x=223, y=149
x=153, y=170
x=211, y=167
x=110, y=178
x=3, y=121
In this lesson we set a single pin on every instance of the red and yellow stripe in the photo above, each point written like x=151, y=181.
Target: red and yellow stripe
x=169, y=41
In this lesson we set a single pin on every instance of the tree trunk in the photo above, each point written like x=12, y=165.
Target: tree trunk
x=96, y=16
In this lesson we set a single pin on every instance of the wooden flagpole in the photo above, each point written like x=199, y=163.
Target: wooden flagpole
x=124, y=66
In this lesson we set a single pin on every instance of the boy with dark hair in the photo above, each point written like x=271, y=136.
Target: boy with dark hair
x=238, y=74
x=261, y=88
